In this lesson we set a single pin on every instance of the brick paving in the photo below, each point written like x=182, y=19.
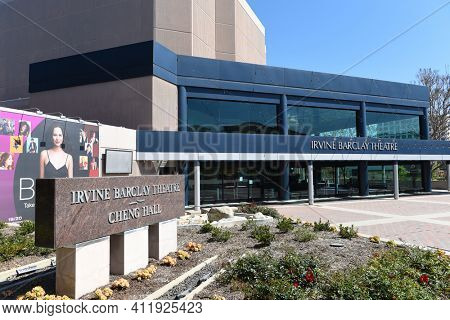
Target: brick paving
x=419, y=220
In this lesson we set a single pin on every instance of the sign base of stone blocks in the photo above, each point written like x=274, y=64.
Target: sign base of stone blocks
x=82, y=268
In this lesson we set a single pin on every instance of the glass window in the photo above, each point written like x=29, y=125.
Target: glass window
x=381, y=179
x=232, y=117
x=322, y=122
x=393, y=126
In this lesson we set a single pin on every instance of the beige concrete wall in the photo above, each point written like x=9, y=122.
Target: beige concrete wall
x=204, y=22
x=240, y=35
x=164, y=106
x=250, y=35
x=40, y=30
x=173, y=25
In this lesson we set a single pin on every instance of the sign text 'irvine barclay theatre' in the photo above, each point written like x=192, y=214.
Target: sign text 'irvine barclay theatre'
x=71, y=211
x=111, y=194
x=354, y=146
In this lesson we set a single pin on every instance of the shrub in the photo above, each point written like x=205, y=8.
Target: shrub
x=25, y=228
x=285, y=225
x=348, y=232
x=250, y=268
x=183, y=255
x=38, y=293
x=261, y=276
x=220, y=235
x=391, y=244
x=18, y=245
x=375, y=239
x=248, y=225
x=217, y=297
x=169, y=261
x=253, y=208
x=206, y=228
x=400, y=273
x=263, y=235
x=146, y=273
x=302, y=234
x=3, y=225
x=322, y=226
x=120, y=284
x=194, y=247
x=104, y=294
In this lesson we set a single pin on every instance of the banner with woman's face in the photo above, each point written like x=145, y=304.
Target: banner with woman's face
x=23, y=140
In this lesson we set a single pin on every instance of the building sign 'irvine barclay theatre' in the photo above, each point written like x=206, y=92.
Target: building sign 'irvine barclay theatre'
x=71, y=211
x=353, y=145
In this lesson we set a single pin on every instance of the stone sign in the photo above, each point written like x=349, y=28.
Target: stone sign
x=71, y=211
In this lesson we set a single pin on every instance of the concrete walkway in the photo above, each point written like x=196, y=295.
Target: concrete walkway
x=420, y=220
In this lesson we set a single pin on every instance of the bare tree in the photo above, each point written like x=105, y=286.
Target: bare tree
x=439, y=112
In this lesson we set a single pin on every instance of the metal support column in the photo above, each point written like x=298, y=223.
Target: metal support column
x=182, y=127
x=426, y=176
x=197, y=185
x=363, y=172
x=310, y=183
x=284, y=193
x=282, y=121
x=182, y=109
x=396, y=182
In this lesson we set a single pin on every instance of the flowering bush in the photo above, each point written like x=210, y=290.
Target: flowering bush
x=194, y=247
x=104, y=294
x=120, y=284
x=144, y=274
x=265, y=277
x=169, y=261
x=395, y=274
x=183, y=255
x=38, y=293
x=217, y=297
x=375, y=239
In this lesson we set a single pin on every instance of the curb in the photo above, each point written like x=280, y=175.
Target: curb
x=160, y=292
x=32, y=267
x=201, y=287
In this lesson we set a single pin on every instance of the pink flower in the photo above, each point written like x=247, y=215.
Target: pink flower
x=295, y=284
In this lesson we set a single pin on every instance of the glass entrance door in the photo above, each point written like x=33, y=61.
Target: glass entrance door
x=335, y=180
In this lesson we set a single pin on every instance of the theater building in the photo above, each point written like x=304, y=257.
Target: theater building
x=241, y=131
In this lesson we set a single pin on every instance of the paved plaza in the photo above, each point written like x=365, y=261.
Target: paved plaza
x=422, y=220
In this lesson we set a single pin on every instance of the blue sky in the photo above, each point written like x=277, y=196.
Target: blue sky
x=331, y=36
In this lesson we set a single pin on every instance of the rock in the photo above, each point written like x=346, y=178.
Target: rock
x=235, y=209
x=230, y=222
x=219, y=213
x=259, y=215
x=205, y=210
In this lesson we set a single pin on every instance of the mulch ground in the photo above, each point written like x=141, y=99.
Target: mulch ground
x=354, y=253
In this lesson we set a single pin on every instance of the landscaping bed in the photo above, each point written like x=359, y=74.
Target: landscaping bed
x=285, y=260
